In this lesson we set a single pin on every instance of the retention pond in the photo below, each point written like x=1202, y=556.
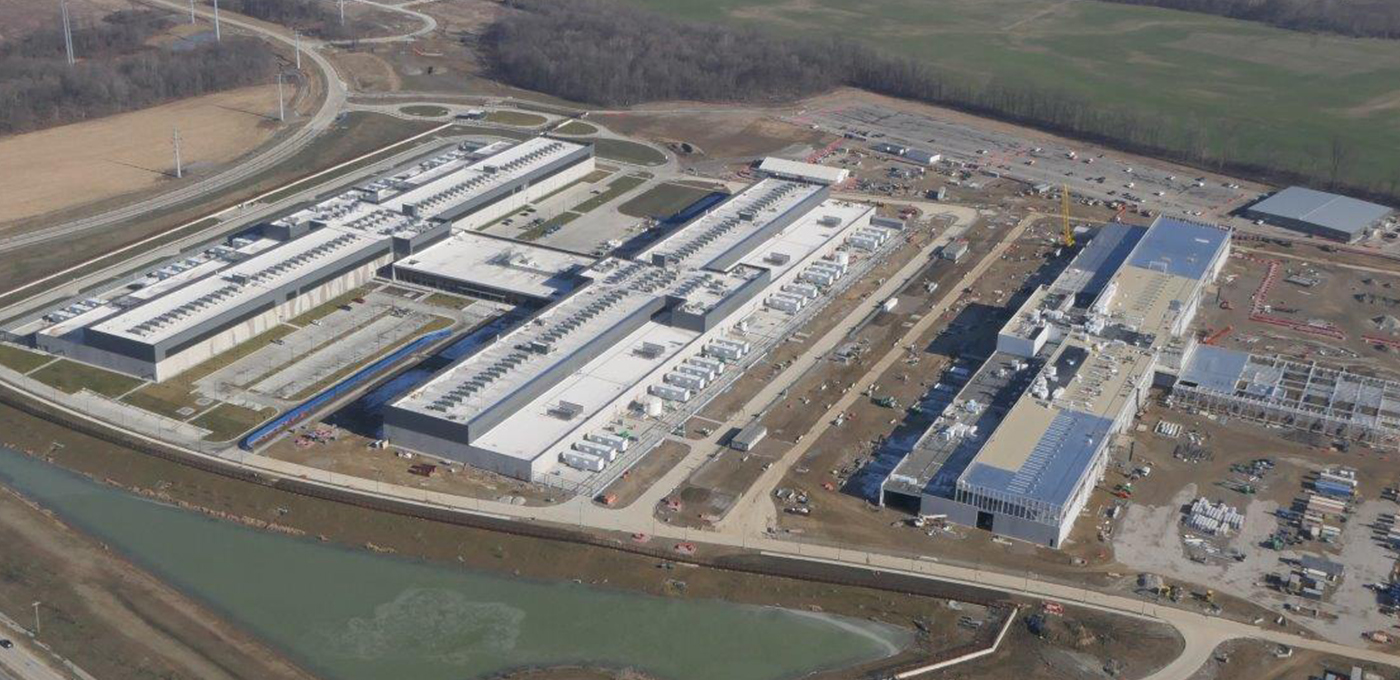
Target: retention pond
x=349, y=614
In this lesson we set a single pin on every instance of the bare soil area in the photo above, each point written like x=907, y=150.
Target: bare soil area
x=1257, y=660
x=717, y=134
x=74, y=165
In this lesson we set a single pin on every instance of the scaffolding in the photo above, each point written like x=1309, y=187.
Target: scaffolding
x=1327, y=401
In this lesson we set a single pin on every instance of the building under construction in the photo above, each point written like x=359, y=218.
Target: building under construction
x=1019, y=447
x=1328, y=401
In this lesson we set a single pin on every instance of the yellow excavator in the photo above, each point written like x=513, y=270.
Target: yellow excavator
x=1066, y=234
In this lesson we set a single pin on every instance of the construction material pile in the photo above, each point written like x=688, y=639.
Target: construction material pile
x=1216, y=519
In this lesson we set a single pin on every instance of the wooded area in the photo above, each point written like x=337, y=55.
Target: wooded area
x=1359, y=18
x=319, y=19
x=117, y=71
x=609, y=54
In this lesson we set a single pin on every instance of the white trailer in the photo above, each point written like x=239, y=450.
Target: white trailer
x=607, y=453
x=582, y=461
x=608, y=439
x=689, y=382
x=670, y=392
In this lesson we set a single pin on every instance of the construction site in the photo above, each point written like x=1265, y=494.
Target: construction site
x=857, y=345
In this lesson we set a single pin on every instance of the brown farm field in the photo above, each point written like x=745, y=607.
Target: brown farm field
x=73, y=165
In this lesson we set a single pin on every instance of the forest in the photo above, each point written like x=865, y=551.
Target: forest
x=610, y=54
x=319, y=19
x=1357, y=18
x=117, y=71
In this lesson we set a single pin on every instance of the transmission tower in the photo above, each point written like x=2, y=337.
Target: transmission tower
x=179, y=167
x=67, y=31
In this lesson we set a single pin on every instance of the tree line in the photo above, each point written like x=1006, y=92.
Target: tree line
x=614, y=55
x=117, y=71
x=309, y=16
x=1357, y=18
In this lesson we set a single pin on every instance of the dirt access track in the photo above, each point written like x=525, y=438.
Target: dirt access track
x=73, y=165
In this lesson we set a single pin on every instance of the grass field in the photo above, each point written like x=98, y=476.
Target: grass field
x=227, y=421
x=427, y=110
x=515, y=118
x=73, y=377
x=618, y=187
x=662, y=200
x=575, y=127
x=168, y=399
x=21, y=360
x=627, y=152
x=1266, y=95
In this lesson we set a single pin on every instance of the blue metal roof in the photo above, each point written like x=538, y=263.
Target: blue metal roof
x=1215, y=368
x=1105, y=254
x=1179, y=248
x=1320, y=208
x=1055, y=465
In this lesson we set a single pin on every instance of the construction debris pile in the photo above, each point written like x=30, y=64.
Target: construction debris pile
x=1215, y=519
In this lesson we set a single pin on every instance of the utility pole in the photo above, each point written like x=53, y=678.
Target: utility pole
x=342, y=12
x=37, y=628
x=296, y=35
x=217, y=37
x=179, y=168
x=281, y=107
x=67, y=31
x=191, y=11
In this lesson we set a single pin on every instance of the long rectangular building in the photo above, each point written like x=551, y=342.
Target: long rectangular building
x=1018, y=450
x=542, y=393
x=189, y=311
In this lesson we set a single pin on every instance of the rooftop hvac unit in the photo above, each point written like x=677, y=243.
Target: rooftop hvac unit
x=566, y=410
x=651, y=350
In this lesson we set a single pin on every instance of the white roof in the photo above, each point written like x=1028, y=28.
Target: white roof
x=809, y=171
x=725, y=226
x=451, y=189
x=504, y=265
x=530, y=431
x=204, y=299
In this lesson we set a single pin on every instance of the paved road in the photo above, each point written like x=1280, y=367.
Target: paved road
x=20, y=662
x=429, y=24
x=753, y=512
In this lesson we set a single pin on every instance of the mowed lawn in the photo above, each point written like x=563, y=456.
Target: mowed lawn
x=1264, y=94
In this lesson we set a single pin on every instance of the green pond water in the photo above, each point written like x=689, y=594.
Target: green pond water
x=348, y=614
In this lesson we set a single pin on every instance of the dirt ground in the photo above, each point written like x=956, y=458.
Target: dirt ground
x=1147, y=536
x=1346, y=296
x=717, y=134
x=357, y=134
x=73, y=165
x=111, y=618
x=1257, y=660
x=637, y=480
x=1076, y=646
x=343, y=452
